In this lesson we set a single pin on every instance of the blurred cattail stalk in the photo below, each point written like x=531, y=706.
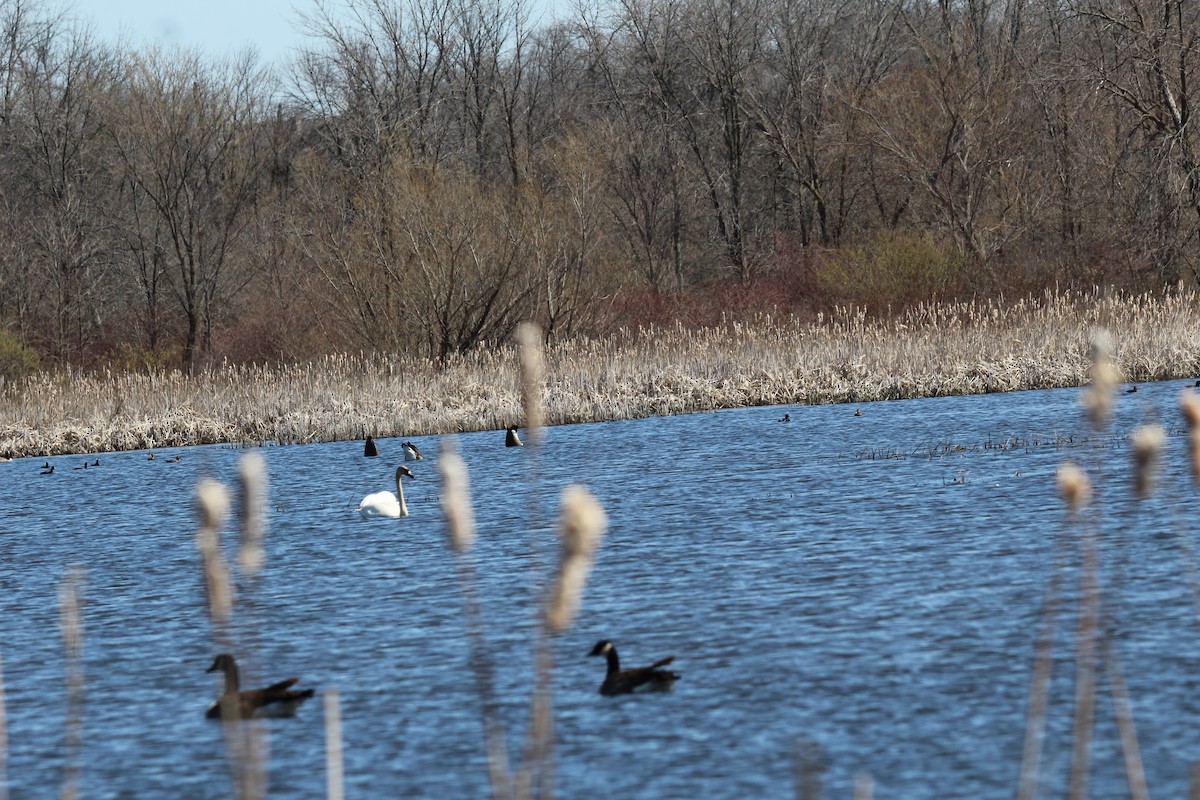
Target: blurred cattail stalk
x=1135, y=773
x=1085, y=668
x=529, y=351
x=246, y=743
x=334, y=782
x=72, y=633
x=3, y=737
x=460, y=535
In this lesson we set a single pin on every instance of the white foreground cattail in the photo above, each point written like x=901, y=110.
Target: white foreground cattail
x=580, y=528
x=456, y=501
x=1190, y=401
x=1074, y=486
x=1097, y=398
x=1147, y=441
x=252, y=472
x=529, y=341
x=212, y=501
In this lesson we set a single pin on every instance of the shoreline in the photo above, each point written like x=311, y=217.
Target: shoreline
x=931, y=351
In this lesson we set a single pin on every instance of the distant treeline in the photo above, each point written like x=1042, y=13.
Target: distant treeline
x=432, y=172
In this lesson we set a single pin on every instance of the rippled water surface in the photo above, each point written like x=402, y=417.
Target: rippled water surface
x=862, y=588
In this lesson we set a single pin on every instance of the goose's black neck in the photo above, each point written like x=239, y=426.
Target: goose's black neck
x=232, y=683
x=614, y=663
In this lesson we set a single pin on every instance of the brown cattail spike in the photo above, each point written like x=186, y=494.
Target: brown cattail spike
x=1097, y=399
x=580, y=528
x=456, y=501
x=529, y=340
x=1190, y=401
x=1074, y=486
x=1147, y=442
x=212, y=501
x=252, y=472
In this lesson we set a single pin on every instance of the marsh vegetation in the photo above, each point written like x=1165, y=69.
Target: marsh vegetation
x=846, y=356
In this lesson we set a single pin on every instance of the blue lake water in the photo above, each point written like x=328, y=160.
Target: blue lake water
x=861, y=589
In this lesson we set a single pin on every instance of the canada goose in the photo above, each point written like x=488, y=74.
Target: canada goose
x=369, y=449
x=7, y=457
x=173, y=460
x=96, y=463
x=48, y=469
x=411, y=452
x=786, y=418
x=85, y=466
x=386, y=504
x=1131, y=390
x=858, y=412
x=511, y=439
x=276, y=700
x=646, y=679
x=151, y=456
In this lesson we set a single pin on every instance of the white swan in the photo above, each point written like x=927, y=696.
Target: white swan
x=412, y=452
x=386, y=504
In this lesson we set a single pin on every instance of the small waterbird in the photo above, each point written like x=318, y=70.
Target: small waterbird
x=277, y=700
x=637, y=679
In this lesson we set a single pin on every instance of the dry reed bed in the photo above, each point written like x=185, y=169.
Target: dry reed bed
x=935, y=350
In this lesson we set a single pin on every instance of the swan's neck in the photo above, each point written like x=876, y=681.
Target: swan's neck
x=614, y=663
x=400, y=497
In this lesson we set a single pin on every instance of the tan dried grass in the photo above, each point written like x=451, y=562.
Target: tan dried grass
x=934, y=350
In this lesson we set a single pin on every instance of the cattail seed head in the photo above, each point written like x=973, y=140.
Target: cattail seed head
x=1074, y=486
x=69, y=590
x=1190, y=401
x=580, y=528
x=529, y=346
x=212, y=501
x=252, y=472
x=456, y=501
x=1097, y=398
x=1147, y=441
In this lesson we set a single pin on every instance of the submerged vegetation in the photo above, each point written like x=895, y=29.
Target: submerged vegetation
x=932, y=350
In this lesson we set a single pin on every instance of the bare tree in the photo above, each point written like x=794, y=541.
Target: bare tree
x=62, y=144
x=951, y=120
x=823, y=61
x=378, y=86
x=696, y=58
x=193, y=169
x=1146, y=55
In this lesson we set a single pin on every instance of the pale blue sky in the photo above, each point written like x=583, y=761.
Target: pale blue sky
x=218, y=27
